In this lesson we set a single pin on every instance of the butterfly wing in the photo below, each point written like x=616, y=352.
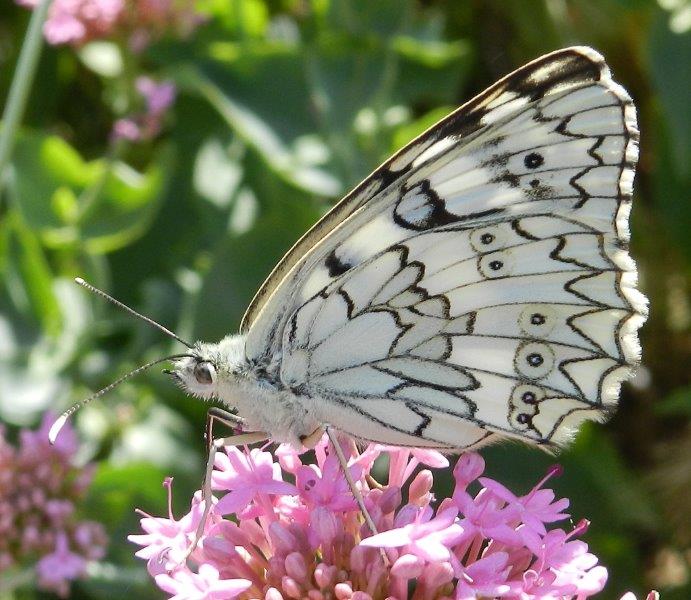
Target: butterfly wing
x=478, y=282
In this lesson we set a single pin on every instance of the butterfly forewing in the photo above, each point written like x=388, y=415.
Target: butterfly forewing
x=478, y=282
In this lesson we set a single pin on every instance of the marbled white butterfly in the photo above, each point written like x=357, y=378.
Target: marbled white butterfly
x=476, y=286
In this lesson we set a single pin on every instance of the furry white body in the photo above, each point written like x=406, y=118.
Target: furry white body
x=263, y=407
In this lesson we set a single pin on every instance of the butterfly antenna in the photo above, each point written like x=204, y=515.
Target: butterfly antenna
x=126, y=308
x=62, y=419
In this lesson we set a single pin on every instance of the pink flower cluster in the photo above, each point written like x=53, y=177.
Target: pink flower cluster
x=297, y=532
x=39, y=491
x=158, y=97
x=76, y=22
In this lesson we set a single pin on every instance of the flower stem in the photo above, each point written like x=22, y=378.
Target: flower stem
x=21, y=84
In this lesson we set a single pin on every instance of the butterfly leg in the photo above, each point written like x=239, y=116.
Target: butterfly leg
x=333, y=437
x=233, y=421
x=310, y=441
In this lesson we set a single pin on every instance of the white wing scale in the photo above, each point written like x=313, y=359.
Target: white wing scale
x=478, y=282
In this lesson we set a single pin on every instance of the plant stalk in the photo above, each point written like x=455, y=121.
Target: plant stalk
x=21, y=84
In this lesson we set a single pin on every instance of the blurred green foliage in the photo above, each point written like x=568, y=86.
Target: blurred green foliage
x=284, y=105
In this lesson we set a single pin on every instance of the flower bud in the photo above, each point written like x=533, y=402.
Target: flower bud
x=277, y=566
x=283, y=540
x=300, y=534
x=253, y=531
x=468, y=468
x=291, y=587
x=445, y=504
x=296, y=567
x=273, y=594
x=407, y=566
x=420, y=487
x=343, y=591
x=325, y=575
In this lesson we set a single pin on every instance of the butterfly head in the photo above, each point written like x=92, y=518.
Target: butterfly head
x=210, y=367
x=196, y=374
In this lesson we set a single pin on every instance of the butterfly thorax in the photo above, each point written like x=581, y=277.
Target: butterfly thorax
x=222, y=372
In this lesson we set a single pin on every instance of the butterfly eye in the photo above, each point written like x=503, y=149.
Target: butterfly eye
x=204, y=372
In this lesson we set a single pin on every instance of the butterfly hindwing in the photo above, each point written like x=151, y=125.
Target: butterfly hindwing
x=478, y=282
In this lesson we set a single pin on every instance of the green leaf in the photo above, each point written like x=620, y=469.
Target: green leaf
x=29, y=273
x=257, y=134
x=117, y=490
x=62, y=162
x=246, y=18
x=101, y=205
x=241, y=262
x=430, y=53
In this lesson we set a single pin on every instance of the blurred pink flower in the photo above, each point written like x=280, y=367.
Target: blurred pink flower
x=76, y=22
x=126, y=129
x=56, y=569
x=40, y=490
x=309, y=540
x=158, y=97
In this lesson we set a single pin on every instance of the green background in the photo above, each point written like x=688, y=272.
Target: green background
x=282, y=107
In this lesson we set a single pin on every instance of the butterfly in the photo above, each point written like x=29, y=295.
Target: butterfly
x=476, y=286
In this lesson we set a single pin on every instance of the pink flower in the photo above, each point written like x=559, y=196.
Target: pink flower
x=429, y=537
x=126, y=129
x=206, y=585
x=487, y=516
x=158, y=98
x=485, y=577
x=56, y=569
x=537, y=507
x=76, y=22
x=302, y=540
x=326, y=486
x=167, y=539
x=40, y=490
x=247, y=478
